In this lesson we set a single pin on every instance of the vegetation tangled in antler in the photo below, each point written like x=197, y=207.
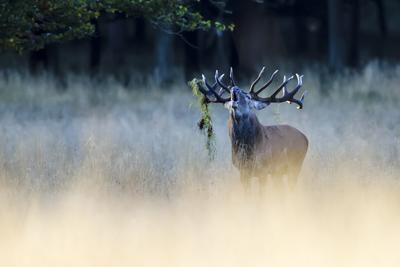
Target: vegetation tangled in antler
x=205, y=123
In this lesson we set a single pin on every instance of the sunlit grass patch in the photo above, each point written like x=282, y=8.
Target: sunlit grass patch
x=99, y=173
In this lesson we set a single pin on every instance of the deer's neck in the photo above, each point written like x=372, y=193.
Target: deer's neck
x=246, y=132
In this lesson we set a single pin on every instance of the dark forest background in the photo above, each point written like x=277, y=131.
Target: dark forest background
x=339, y=34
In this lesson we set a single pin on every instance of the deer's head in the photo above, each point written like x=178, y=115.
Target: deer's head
x=241, y=103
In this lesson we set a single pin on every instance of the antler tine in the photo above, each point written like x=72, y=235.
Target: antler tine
x=212, y=87
x=283, y=84
x=299, y=84
x=211, y=92
x=287, y=96
x=231, y=77
x=201, y=89
x=295, y=90
x=284, y=87
x=225, y=87
x=301, y=101
x=291, y=94
x=267, y=83
x=256, y=80
x=222, y=91
x=220, y=83
x=209, y=87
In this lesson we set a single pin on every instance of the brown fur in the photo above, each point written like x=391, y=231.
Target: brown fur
x=262, y=151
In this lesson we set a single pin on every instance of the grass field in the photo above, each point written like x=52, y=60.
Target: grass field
x=99, y=174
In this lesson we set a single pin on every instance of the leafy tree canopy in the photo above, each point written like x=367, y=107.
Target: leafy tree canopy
x=31, y=24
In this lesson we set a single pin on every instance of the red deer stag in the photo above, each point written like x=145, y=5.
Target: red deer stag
x=259, y=150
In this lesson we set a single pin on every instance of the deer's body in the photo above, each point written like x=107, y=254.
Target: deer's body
x=259, y=150
x=263, y=151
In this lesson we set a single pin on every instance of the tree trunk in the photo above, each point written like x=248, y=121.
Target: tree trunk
x=38, y=60
x=381, y=17
x=191, y=54
x=336, y=53
x=355, y=25
x=95, y=50
x=164, y=55
x=140, y=30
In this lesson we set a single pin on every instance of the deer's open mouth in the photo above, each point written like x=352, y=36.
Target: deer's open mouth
x=234, y=96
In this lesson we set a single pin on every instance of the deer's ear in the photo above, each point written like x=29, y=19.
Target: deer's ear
x=228, y=105
x=259, y=105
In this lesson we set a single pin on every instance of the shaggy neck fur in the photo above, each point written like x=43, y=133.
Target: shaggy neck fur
x=245, y=133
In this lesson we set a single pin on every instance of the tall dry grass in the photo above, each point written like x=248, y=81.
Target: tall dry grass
x=99, y=174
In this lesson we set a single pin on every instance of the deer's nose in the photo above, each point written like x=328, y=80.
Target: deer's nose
x=235, y=93
x=235, y=89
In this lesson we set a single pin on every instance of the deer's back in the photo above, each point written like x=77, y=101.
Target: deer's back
x=284, y=145
x=285, y=137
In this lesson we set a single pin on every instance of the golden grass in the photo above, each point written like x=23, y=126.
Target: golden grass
x=113, y=178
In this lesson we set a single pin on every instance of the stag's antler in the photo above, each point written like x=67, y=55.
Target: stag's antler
x=211, y=94
x=286, y=97
x=233, y=83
